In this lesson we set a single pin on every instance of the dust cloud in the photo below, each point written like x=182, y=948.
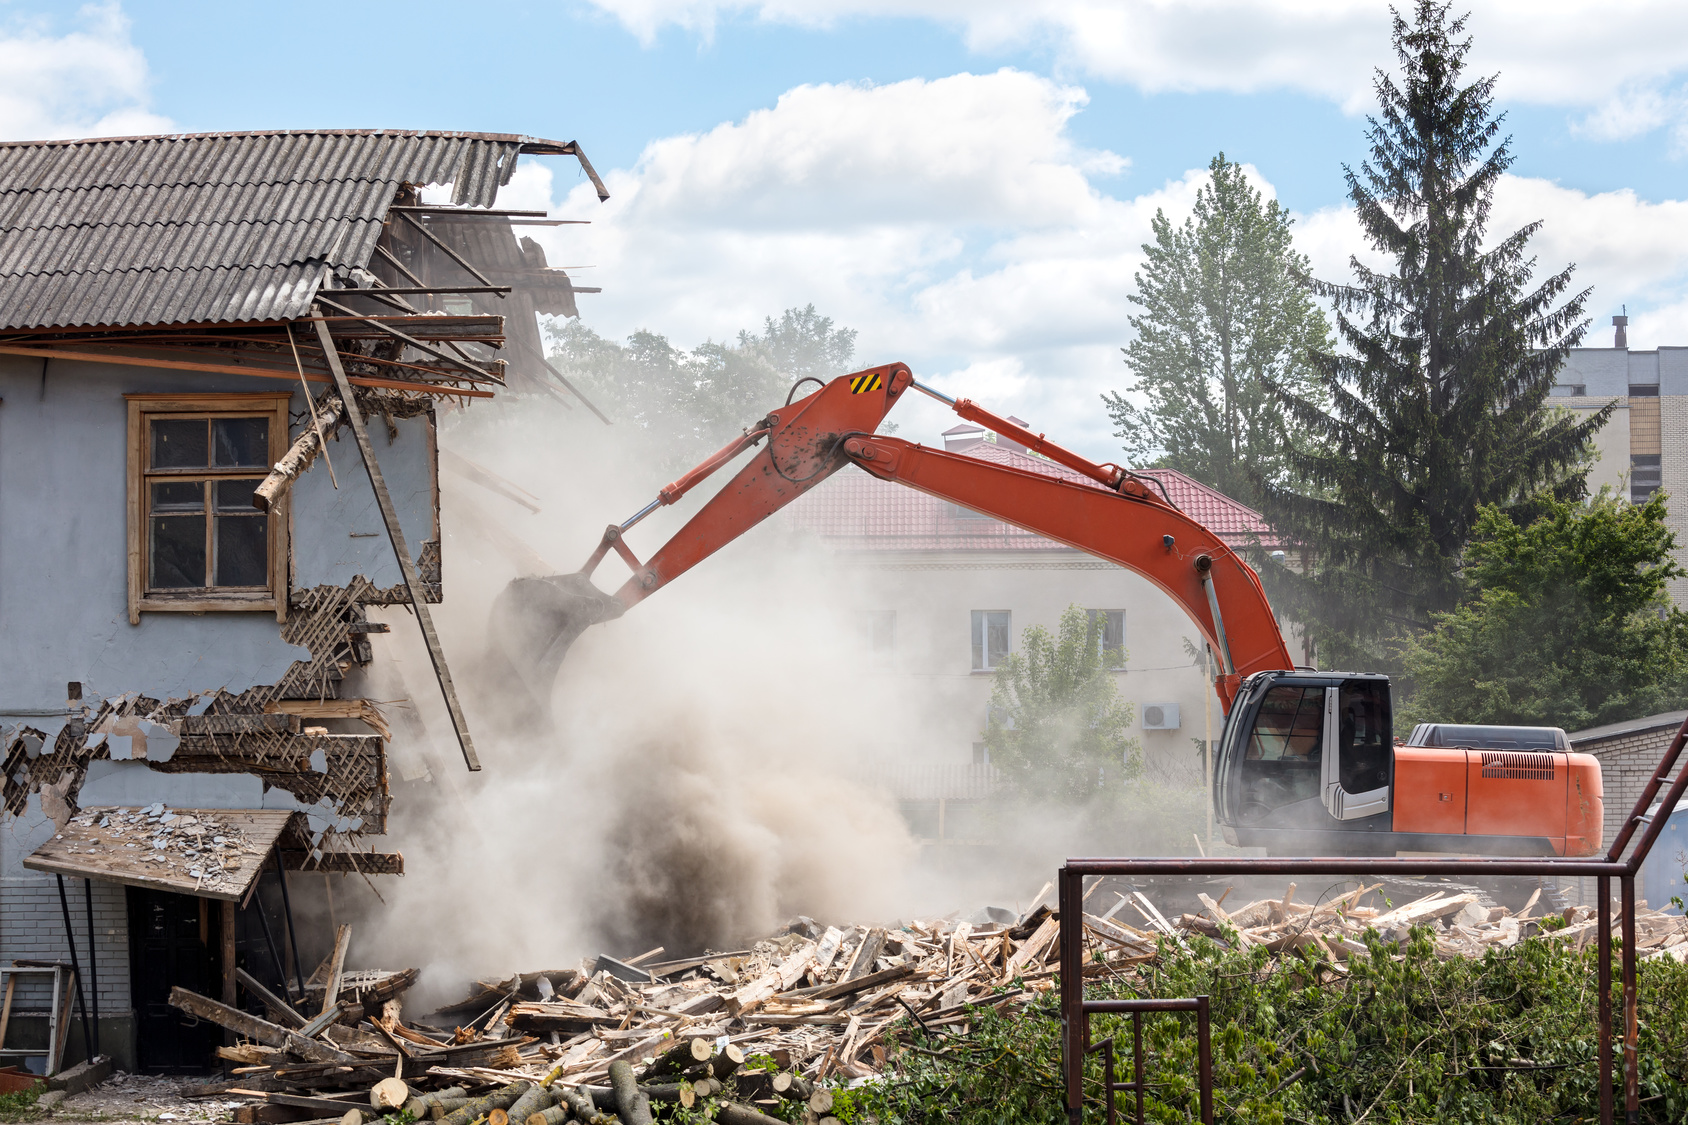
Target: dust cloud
x=698, y=784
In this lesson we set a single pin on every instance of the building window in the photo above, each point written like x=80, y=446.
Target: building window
x=879, y=630
x=196, y=543
x=1646, y=476
x=981, y=754
x=1570, y=390
x=990, y=638
x=1107, y=628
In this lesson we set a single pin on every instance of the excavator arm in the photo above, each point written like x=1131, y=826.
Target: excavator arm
x=1119, y=518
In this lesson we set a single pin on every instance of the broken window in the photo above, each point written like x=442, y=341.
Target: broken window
x=196, y=541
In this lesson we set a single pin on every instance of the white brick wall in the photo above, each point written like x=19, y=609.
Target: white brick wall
x=32, y=920
x=1627, y=762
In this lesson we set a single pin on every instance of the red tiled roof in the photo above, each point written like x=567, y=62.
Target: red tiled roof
x=857, y=512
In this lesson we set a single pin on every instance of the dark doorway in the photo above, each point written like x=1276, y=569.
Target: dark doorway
x=173, y=940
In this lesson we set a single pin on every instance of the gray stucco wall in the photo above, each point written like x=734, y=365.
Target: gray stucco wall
x=63, y=547
x=64, y=611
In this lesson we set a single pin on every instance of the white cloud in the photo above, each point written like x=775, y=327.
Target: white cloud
x=956, y=225
x=1555, y=52
x=86, y=82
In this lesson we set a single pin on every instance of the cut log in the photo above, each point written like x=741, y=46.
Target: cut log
x=530, y=1103
x=501, y=1098
x=731, y=1113
x=679, y=1058
x=632, y=1106
x=788, y=1084
x=419, y=1105
x=300, y=454
x=820, y=1101
x=388, y=1094
x=556, y=1115
x=578, y=1102
x=726, y=1062
x=252, y=1027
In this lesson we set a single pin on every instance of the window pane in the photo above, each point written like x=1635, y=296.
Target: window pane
x=179, y=495
x=236, y=495
x=179, y=443
x=979, y=639
x=177, y=552
x=240, y=550
x=996, y=643
x=241, y=442
x=1367, y=745
x=1290, y=725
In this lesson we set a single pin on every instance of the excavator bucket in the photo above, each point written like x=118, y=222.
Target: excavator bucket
x=533, y=624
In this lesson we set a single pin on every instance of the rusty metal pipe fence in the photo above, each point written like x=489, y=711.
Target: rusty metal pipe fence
x=1076, y=1011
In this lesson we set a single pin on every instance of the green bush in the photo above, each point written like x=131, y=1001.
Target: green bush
x=1396, y=1036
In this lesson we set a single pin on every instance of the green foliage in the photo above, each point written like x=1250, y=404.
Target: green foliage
x=20, y=1106
x=399, y=1117
x=1565, y=622
x=1400, y=1036
x=1435, y=403
x=697, y=401
x=1224, y=313
x=1056, y=727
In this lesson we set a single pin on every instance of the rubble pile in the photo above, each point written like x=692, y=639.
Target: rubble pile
x=766, y=1033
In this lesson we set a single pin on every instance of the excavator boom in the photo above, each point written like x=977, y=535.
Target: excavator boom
x=1306, y=761
x=1117, y=518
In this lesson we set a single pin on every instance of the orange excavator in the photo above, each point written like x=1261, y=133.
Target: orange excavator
x=1307, y=763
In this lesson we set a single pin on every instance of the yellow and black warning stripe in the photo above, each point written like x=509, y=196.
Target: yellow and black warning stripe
x=861, y=384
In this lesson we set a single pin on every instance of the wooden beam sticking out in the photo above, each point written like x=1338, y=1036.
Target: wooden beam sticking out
x=265, y=1032
x=237, y=369
x=407, y=565
x=344, y=863
x=474, y=371
x=271, y=1000
x=299, y=456
x=336, y=966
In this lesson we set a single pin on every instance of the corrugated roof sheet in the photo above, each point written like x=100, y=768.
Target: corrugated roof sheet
x=853, y=511
x=213, y=227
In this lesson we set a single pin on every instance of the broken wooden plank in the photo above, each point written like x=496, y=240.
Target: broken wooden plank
x=265, y=1032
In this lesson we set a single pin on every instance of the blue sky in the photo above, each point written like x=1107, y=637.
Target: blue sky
x=965, y=184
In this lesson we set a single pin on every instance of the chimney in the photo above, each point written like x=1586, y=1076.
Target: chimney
x=1010, y=443
x=1620, y=337
x=964, y=436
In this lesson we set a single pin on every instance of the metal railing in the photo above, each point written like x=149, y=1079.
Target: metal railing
x=1076, y=1011
x=1204, y=1049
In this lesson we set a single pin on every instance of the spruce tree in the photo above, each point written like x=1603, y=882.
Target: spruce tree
x=1435, y=403
x=1223, y=313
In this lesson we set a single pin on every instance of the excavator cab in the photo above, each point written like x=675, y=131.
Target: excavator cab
x=1304, y=755
x=1308, y=765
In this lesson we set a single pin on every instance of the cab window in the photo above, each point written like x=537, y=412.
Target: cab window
x=1290, y=725
x=1363, y=731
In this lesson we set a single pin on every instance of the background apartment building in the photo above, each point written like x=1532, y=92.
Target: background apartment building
x=1645, y=445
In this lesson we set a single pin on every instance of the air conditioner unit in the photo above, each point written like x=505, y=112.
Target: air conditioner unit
x=1160, y=716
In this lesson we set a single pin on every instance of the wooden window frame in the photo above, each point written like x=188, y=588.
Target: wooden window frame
x=142, y=407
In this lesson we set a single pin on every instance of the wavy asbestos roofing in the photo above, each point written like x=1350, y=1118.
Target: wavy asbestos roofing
x=852, y=511
x=214, y=227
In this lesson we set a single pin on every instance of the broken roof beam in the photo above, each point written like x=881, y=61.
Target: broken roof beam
x=235, y=369
x=452, y=254
x=300, y=455
x=474, y=372
x=395, y=534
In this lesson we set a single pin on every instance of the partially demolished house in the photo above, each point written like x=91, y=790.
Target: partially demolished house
x=187, y=324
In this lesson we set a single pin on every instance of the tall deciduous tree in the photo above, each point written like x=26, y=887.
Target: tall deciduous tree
x=1435, y=405
x=1565, y=622
x=1224, y=312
